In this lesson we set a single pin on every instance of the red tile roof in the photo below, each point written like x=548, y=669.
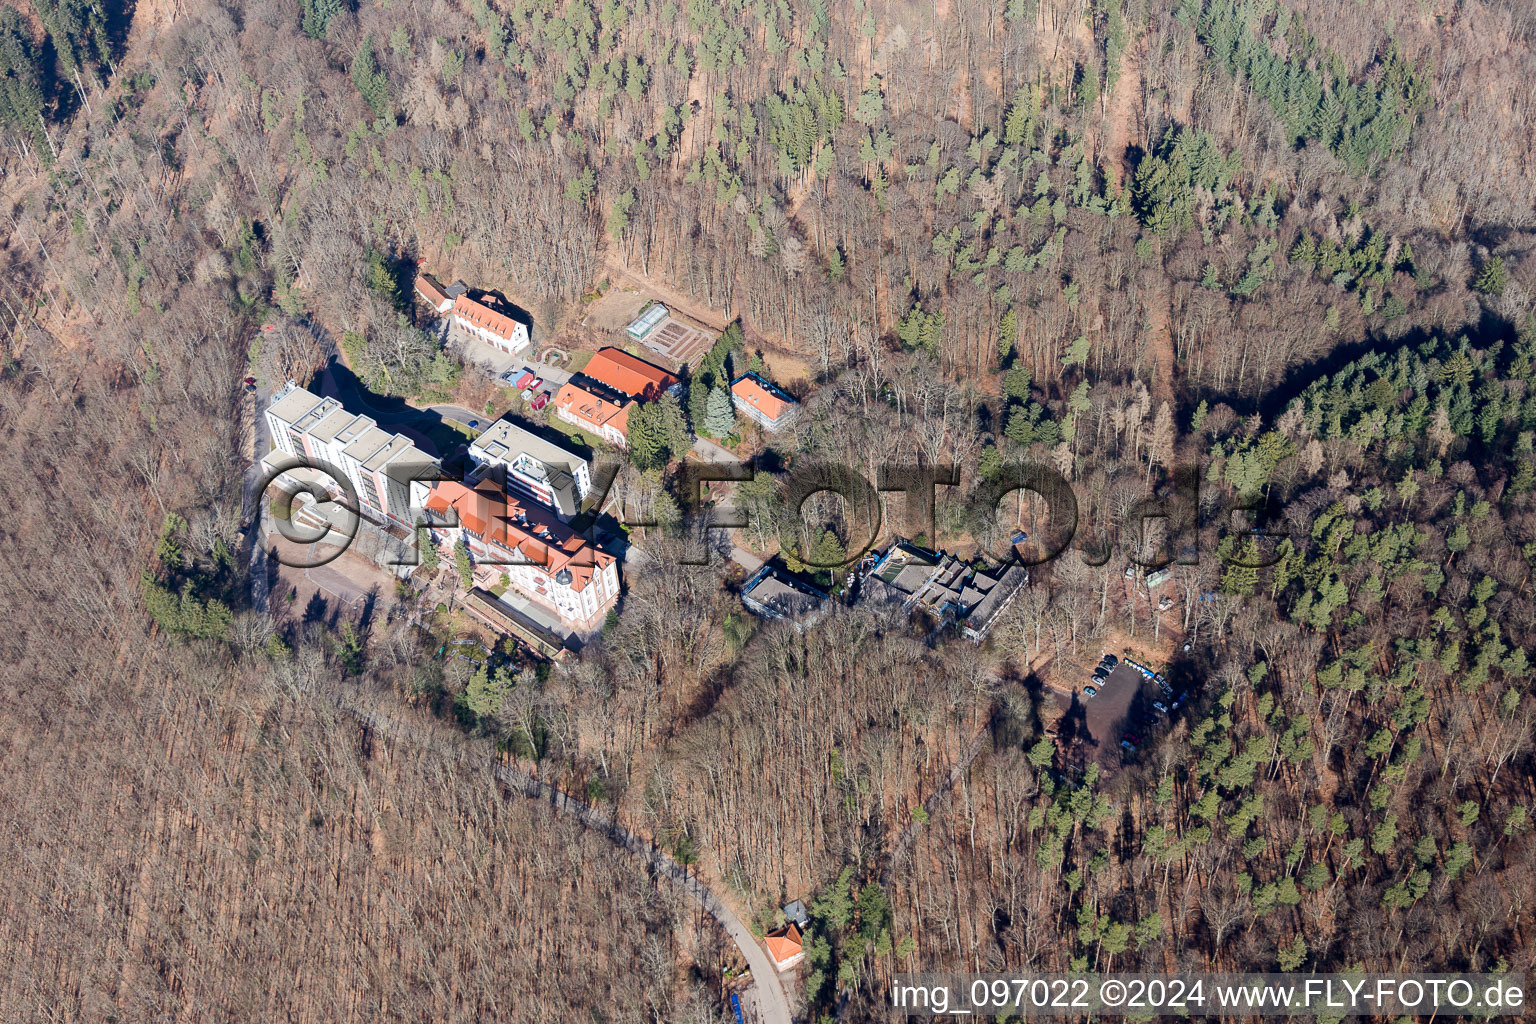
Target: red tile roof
x=784, y=944
x=592, y=409
x=490, y=512
x=628, y=374
x=484, y=317
x=760, y=398
x=428, y=288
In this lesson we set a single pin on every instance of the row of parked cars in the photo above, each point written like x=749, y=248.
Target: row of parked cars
x=1106, y=666
x=530, y=384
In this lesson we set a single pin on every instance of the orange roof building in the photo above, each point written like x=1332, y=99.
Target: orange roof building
x=786, y=946
x=541, y=558
x=628, y=374
x=600, y=397
x=485, y=324
x=594, y=411
x=431, y=291
x=762, y=401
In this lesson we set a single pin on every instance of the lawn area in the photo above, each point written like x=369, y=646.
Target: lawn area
x=572, y=430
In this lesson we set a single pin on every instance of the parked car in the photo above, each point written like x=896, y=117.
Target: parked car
x=1127, y=745
x=474, y=424
x=1090, y=691
x=527, y=394
x=1160, y=707
x=1110, y=660
x=1100, y=674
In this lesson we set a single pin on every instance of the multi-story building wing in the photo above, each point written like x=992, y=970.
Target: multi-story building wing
x=762, y=401
x=594, y=408
x=527, y=548
x=534, y=467
x=628, y=375
x=485, y=324
x=379, y=466
x=600, y=398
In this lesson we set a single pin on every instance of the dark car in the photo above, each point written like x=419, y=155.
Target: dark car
x=1101, y=673
x=1110, y=660
x=474, y=424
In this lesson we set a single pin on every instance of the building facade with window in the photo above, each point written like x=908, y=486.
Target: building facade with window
x=534, y=468
x=483, y=323
x=763, y=402
x=386, y=471
x=526, y=548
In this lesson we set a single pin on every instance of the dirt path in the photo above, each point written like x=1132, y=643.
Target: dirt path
x=675, y=300
x=903, y=847
x=1122, y=118
x=1159, y=351
x=767, y=991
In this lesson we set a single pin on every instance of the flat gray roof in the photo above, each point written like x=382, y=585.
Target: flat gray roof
x=513, y=439
x=783, y=594
x=368, y=443
x=292, y=406
x=328, y=428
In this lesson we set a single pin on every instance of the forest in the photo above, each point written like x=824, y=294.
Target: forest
x=1288, y=241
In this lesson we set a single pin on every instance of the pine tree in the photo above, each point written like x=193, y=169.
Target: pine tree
x=318, y=15
x=1007, y=333
x=1493, y=278
x=462, y=563
x=1016, y=382
x=370, y=81
x=720, y=418
x=837, y=268
x=23, y=75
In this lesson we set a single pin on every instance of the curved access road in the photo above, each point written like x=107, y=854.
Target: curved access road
x=767, y=991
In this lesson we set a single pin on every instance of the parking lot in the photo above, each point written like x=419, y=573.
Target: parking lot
x=493, y=361
x=1123, y=704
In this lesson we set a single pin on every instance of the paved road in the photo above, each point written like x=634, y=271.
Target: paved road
x=493, y=362
x=767, y=989
x=459, y=414
x=711, y=452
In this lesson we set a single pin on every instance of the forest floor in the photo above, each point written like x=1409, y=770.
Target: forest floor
x=1121, y=117
x=676, y=301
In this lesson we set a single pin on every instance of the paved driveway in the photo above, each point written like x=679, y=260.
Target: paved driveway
x=494, y=362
